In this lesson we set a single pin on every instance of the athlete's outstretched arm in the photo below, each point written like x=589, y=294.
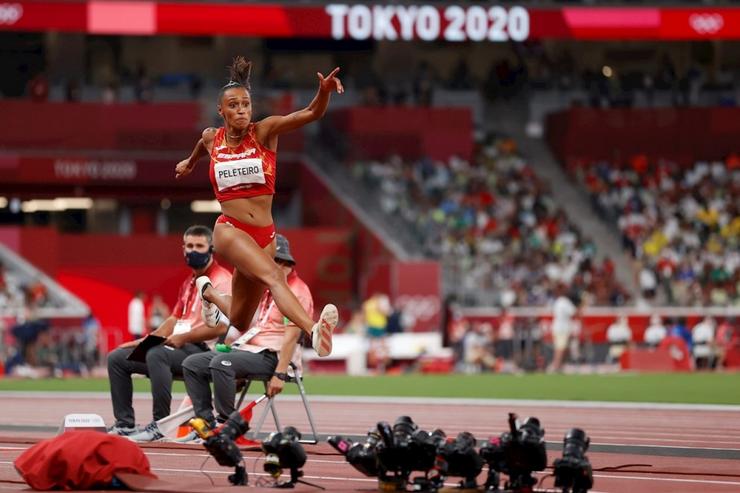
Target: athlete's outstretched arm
x=202, y=148
x=273, y=126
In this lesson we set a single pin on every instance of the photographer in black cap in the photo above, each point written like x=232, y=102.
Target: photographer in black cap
x=265, y=351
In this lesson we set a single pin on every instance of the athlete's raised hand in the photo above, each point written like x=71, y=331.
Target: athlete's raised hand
x=184, y=168
x=331, y=82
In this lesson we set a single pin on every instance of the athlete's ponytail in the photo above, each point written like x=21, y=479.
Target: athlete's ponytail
x=239, y=72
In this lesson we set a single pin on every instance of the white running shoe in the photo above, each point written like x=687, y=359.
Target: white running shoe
x=208, y=311
x=123, y=430
x=323, y=329
x=150, y=434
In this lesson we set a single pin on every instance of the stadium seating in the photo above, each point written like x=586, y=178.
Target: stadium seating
x=682, y=224
x=500, y=236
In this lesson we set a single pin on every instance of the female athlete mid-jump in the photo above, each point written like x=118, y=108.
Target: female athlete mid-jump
x=242, y=171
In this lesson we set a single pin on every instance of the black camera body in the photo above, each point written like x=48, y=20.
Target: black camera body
x=517, y=453
x=458, y=457
x=405, y=448
x=391, y=453
x=573, y=472
x=361, y=456
x=283, y=451
x=221, y=444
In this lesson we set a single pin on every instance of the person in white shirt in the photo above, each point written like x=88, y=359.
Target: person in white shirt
x=619, y=335
x=655, y=332
x=703, y=349
x=136, y=320
x=563, y=311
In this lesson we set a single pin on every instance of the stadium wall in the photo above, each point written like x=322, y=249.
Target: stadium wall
x=685, y=135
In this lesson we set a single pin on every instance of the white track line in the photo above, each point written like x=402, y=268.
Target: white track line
x=673, y=480
x=419, y=400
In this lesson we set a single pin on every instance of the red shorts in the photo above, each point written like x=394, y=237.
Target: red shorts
x=263, y=235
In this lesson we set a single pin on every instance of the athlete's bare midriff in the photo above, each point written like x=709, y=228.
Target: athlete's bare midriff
x=256, y=211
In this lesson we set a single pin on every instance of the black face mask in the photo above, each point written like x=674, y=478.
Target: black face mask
x=197, y=260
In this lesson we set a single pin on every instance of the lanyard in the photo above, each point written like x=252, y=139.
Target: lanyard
x=262, y=321
x=189, y=301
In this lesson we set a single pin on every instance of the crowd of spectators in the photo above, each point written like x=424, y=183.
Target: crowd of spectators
x=29, y=345
x=680, y=224
x=501, y=238
x=17, y=296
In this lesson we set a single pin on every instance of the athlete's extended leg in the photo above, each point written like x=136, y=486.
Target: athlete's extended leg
x=249, y=259
x=245, y=297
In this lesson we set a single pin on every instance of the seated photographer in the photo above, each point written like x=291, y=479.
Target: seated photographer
x=264, y=351
x=186, y=334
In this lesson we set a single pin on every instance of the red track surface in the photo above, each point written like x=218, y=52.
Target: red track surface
x=665, y=431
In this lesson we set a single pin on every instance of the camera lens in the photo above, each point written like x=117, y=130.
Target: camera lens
x=404, y=426
x=575, y=443
x=372, y=438
x=465, y=440
x=291, y=434
x=531, y=428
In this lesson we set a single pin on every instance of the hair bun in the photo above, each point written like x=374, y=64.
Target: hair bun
x=240, y=71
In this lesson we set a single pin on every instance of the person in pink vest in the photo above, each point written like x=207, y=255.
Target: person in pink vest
x=263, y=352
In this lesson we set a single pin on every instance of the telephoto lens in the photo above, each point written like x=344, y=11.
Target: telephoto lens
x=361, y=456
x=573, y=472
x=403, y=428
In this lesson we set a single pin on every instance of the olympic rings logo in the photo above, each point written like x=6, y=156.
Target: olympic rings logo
x=706, y=23
x=420, y=307
x=10, y=13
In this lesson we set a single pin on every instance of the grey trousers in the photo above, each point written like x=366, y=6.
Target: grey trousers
x=223, y=369
x=163, y=363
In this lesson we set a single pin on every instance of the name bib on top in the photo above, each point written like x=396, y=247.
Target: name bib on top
x=239, y=172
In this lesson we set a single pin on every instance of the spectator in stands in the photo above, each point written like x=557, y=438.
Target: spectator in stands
x=185, y=333
x=245, y=233
x=728, y=339
x=264, y=352
x=142, y=85
x=72, y=91
x=478, y=348
x=679, y=329
x=702, y=337
x=37, y=293
x=424, y=82
x=110, y=93
x=563, y=327
x=376, y=310
x=89, y=342
x=655, y=332
x=398, y=320
x=38, y=88
x=504, y=348
x=136, y=322
x=619, y=337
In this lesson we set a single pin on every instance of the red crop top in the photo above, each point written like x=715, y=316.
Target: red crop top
x=247, y=171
